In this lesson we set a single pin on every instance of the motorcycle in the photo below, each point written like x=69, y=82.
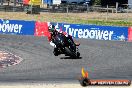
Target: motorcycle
x=65, y=45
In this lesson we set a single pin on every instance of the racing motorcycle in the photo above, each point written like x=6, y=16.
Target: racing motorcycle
x=65, y=46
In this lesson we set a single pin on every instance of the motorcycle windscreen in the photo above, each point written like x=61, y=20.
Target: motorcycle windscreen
x=59, y=39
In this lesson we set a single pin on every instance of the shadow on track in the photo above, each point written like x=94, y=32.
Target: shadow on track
x=70, y=57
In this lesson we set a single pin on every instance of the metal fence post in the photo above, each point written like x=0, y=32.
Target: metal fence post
x=67, y=10
x=116, y=7
x=127, y=12
x=107, y=13
x=87, y=8
x=31, y=9
x=14, y=5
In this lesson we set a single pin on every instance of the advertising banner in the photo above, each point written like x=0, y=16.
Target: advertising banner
x=94, y=31
x=17, y=27
x=130, y=34
x=20, y=27
x=41, y=29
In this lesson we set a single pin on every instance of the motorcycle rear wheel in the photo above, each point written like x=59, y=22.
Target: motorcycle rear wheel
x=70, y=53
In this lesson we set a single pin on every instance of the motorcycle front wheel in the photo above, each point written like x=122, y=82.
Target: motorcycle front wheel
x=70, y=53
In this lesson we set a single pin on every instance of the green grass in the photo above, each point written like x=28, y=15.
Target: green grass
x=63, y=18
x=96, y=22
x=107, y=23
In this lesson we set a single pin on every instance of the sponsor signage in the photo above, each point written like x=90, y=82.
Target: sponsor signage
x=17, y=27
x=86, y=81
x=20, y=27
x=130, y=34
x=94, y=31
x=41, y=29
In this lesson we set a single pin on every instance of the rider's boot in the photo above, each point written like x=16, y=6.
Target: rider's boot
x=77, y=43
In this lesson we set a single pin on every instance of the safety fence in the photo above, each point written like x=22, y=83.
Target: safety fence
x=37, y=28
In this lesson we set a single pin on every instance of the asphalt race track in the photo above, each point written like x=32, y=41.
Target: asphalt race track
x=102, y=59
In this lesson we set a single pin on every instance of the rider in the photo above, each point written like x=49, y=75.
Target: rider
x=53, y=32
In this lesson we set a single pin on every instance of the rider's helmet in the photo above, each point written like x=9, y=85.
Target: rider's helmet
x=51, y=28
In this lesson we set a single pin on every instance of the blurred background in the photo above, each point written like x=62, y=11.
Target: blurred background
x=69, y=9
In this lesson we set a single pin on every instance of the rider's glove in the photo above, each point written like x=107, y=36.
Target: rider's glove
x=66, y=35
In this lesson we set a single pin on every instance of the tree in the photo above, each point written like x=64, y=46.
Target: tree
x=96, y=2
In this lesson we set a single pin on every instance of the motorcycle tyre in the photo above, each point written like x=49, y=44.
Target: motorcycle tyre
x=55, y=52
x=70, y=53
